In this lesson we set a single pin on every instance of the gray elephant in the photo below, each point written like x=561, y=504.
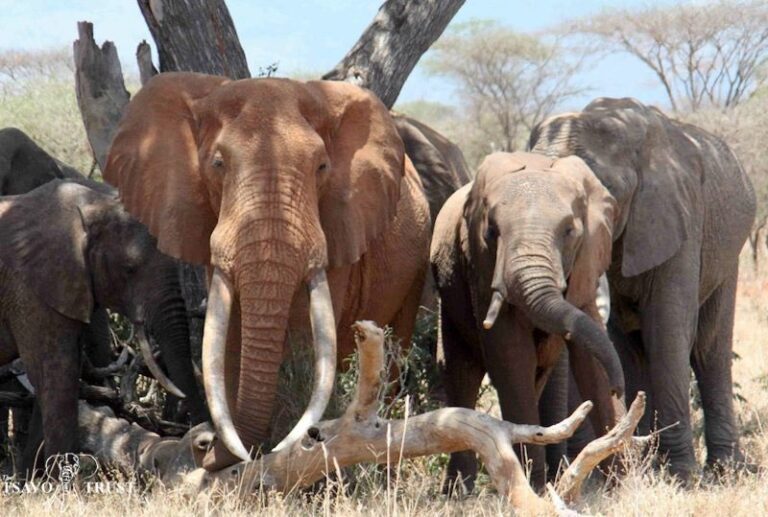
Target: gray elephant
x=517, y=255
x=685, y=209
x=68, y=249
x=439, y=162
x=24, y=166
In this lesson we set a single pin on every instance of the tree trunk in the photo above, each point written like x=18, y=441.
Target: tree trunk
x=144, y=59
x=195, y=36
x=383, y=57
x=101, y=93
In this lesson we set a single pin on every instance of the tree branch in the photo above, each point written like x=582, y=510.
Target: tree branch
x=393, y=43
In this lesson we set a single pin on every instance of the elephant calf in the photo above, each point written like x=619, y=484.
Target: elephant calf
x=68, y=249
x=517, y=255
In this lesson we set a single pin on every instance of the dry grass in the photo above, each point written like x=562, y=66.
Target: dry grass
x=644, y=491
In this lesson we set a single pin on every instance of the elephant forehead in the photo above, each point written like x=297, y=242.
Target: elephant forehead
x=262, y=100
x=530, y=188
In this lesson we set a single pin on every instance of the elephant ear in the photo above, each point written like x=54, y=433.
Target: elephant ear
x=594, y=255
x=667, y=201
x=44, y=244
x=154, y=163
x=367, y=157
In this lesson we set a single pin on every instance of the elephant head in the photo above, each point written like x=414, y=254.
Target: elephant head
x=540, y=229
x=77, y=248
x=646, y=161
x=270, y=182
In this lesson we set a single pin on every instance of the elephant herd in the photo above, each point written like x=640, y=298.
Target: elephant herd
x=311, y=206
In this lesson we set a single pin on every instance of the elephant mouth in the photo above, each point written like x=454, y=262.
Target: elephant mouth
x=221, y=296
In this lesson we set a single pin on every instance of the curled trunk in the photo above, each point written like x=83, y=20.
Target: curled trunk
x=545, y=305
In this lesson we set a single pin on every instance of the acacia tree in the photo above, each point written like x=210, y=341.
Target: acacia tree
x=507, y=81
x=707, y=55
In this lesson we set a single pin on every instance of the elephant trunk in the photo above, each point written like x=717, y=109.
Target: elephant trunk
x=169, y=326
x=537, y=293
x=262, y=272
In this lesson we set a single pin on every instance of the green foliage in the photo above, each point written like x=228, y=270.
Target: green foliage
x=506, y=82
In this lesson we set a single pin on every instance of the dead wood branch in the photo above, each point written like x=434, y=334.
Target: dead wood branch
x=16, y=399
x=128, y=445
x=618, y=438
x=361, y=436
x=144, y=59
x=101, y=93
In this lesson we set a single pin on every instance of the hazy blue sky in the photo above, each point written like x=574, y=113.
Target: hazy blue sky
x=312, y=35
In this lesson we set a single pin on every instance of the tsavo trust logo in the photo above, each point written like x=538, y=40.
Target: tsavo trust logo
x=64, y=473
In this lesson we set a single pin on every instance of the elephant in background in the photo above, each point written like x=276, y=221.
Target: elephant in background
x=301, y=201
x=517, y=255
x=25, y=166
x=439, y=162
x=685, y=209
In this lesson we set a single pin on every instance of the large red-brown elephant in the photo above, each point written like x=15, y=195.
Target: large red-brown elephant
x=275, y=184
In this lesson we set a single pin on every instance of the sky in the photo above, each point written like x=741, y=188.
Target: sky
x=311, y=36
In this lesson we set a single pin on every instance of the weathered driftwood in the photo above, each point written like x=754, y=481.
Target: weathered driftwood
x=387, y=51
x=361, y=436
x=195, y=36
x=101, y=93
x=127, y=445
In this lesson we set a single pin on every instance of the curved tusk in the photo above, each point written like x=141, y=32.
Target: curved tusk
x=497, y=302
x=324, y=338
x=149, y=359
x=218, y=311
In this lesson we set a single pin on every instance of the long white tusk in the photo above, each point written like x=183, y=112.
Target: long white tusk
x=220, y=296
x=149, y=359
x=497, y=301
x=324, y=338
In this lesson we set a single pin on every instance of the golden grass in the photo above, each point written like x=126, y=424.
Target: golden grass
x=644, y=491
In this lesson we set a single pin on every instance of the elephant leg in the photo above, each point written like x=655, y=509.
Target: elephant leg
x=553, y=408
x=584, y=434
x=711, y=359
x=463, y=374
x=668, y=316
x=33, y=452
x=593, y=385
x=405, y=320
x=636, y=375
x=53, y=366
x=510, y=357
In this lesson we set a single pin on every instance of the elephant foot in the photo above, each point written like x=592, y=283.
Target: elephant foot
x=684, y=468
x=461, y=475
x=720, y=467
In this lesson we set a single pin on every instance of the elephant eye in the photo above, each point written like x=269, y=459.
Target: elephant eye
x=491, y=233
x=218, y=160
x=323, y=167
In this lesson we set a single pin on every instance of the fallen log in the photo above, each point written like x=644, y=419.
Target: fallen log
x=129, y=446
x=360, y=435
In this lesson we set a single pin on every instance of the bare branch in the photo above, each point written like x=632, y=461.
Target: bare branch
x=709, y=55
